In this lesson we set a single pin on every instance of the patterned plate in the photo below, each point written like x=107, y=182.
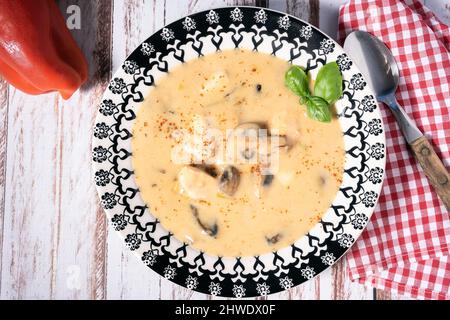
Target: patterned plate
x=206, y=32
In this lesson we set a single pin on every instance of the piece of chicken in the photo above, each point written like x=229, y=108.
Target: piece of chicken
x=196, y=183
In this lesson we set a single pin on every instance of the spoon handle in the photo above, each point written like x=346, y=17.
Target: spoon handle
x=434, y=169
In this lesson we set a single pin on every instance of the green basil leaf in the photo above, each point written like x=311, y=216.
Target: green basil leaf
x=297, y=81
x=318, y=109
x=328, y=83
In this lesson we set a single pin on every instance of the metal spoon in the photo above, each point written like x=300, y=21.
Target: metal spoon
x=378, y=65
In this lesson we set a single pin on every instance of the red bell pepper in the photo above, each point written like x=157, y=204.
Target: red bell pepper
x=37, y=52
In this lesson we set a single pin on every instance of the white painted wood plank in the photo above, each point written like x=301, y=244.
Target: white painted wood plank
x=74, y=245
x=81, y=238
x=32, y=196
x=343, y=287
x=328, y=16
x=51, y=206
x=279, y=5
x=389, y=295
x=299, y=8
x=127, y=276
x=3, y=139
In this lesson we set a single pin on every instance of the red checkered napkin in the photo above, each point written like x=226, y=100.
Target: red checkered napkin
x=405, y=247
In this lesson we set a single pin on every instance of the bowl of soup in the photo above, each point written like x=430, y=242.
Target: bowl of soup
x=220, y=177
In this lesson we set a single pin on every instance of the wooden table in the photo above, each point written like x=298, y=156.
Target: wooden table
x=54, y=239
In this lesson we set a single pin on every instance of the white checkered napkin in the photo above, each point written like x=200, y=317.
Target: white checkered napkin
x=406, y=247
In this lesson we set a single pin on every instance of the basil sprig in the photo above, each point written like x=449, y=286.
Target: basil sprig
x=327, y=89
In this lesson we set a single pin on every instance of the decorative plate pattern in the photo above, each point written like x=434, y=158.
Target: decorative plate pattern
x=206, y=32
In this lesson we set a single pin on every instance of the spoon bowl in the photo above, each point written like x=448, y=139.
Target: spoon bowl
x=368, y=51
x=380, y=69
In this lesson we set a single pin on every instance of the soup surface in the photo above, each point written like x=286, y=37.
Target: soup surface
x=222, y=205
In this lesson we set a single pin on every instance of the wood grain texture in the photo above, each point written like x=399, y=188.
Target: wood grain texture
x=329, y=14
x=3, y=138
x=31, y=196
x=299, y=8
x=51, y=209
x=82, y=215
x=345, y=289
x=388, y=295
x=383, y=295
x=441, y=8
x=307, y=10
x=314, y=12
x=433, y=168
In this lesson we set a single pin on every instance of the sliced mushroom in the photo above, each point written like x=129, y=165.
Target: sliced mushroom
x=246, y=138
x=229, y=180
x=209, y=169
x=267, y=180
x=274, y=239
x=262, y=182
x=196, y=183
x=211, y=230
x=322, y=180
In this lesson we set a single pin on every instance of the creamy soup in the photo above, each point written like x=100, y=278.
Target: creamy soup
x=221, y=205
